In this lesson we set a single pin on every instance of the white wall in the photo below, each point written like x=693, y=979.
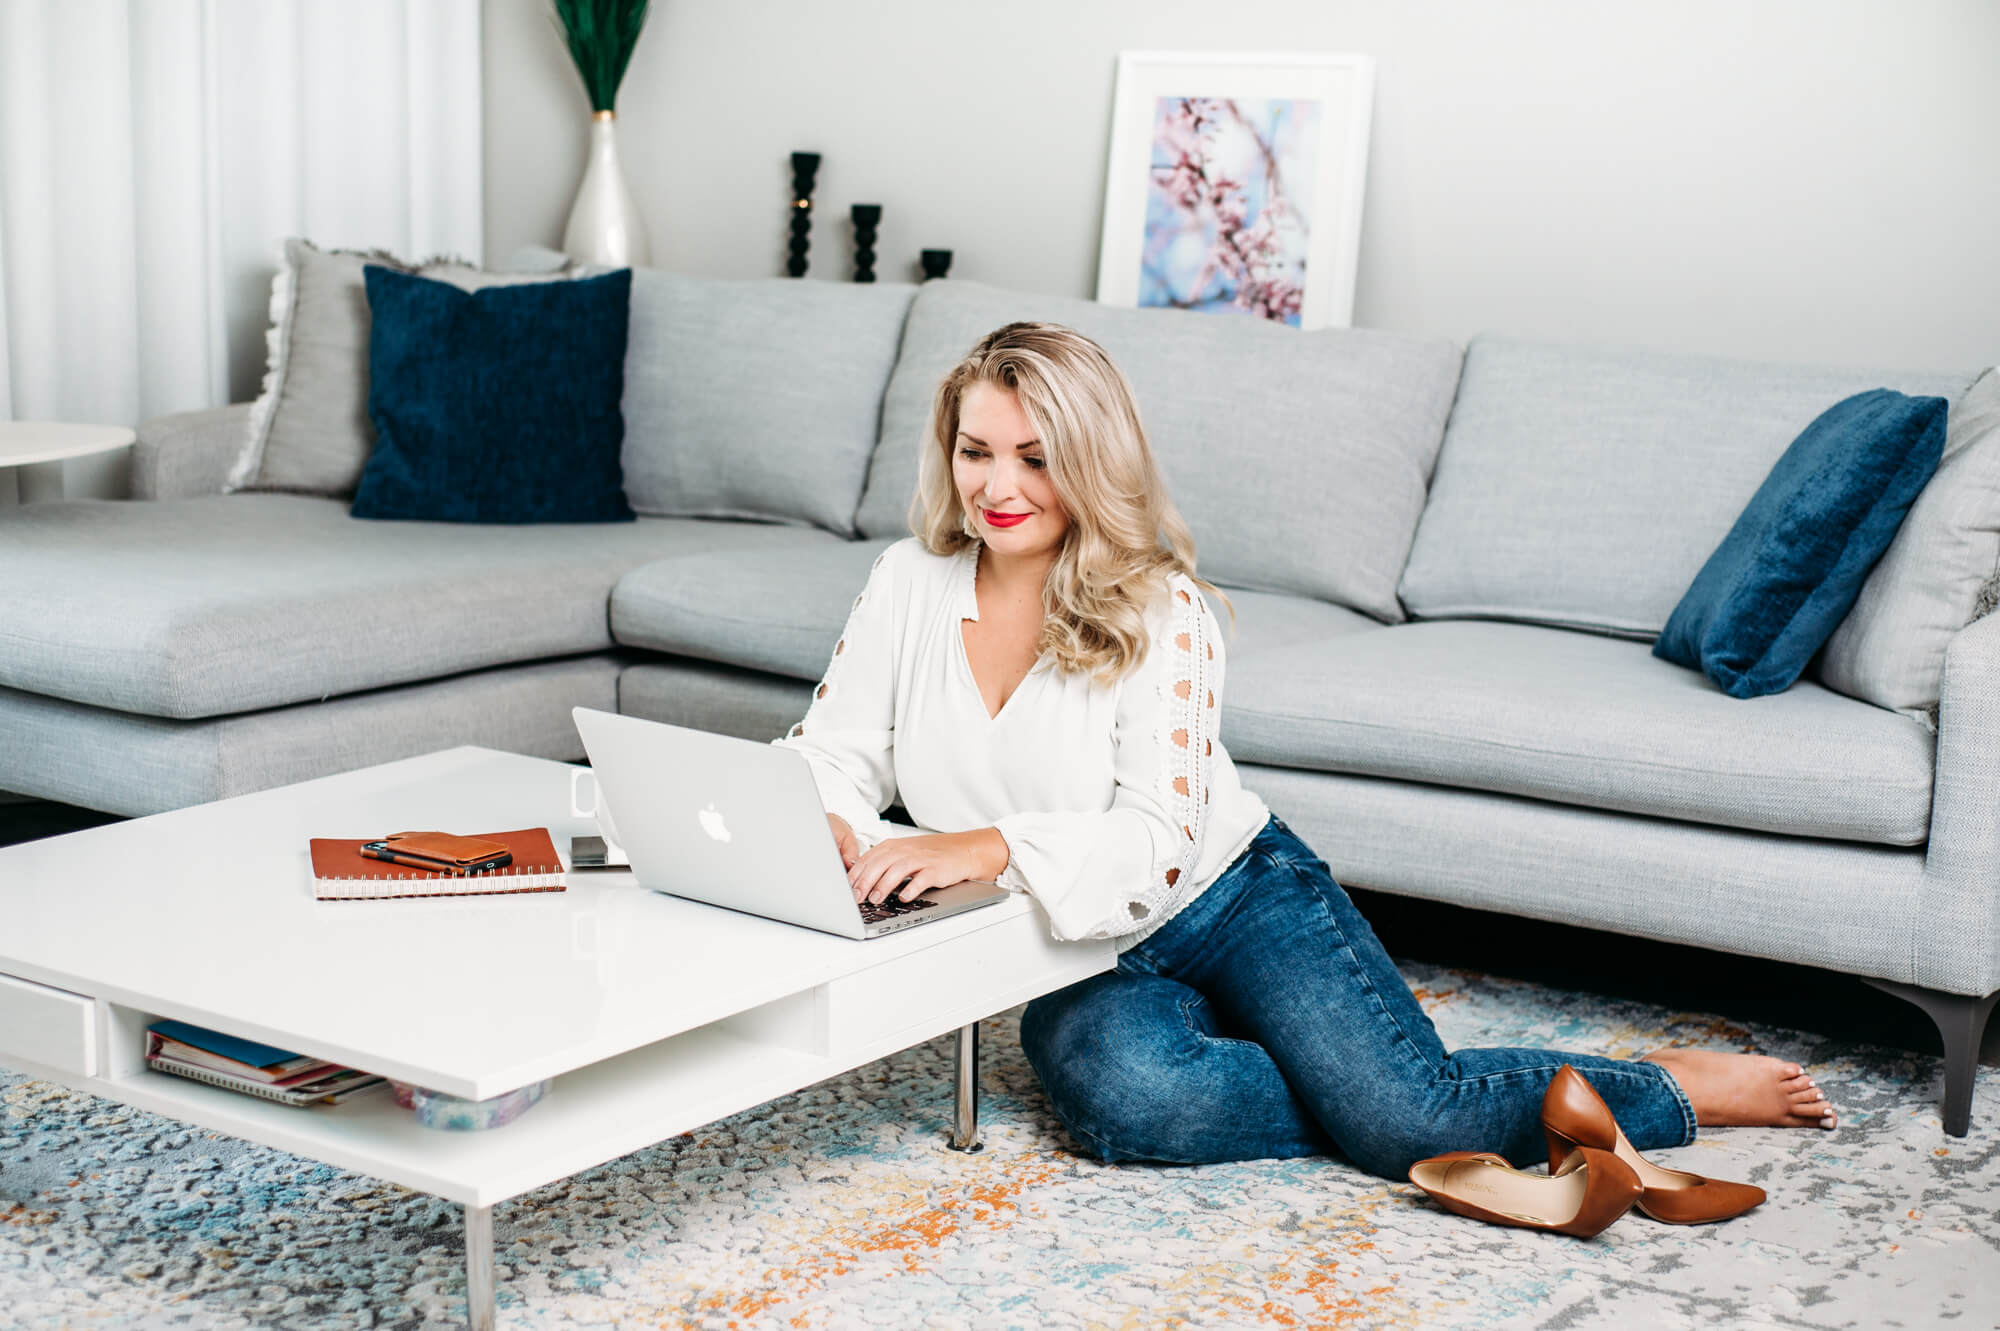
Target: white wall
x=1805, y=180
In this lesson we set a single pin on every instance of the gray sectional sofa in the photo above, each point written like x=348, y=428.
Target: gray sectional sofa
x=1445, y=571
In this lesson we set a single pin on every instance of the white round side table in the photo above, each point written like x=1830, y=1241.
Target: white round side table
x=38, y=449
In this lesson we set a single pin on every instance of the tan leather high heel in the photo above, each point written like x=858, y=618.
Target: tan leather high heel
x=1592, y=1189
x=1575, y=1118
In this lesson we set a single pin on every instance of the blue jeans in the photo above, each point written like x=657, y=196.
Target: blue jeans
x=1265, y=1021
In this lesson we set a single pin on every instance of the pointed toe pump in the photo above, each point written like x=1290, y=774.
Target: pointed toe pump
x=1592, y=1189
x=1575, y=1118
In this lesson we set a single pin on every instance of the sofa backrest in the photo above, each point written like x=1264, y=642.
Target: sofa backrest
x=756, y=399
x=1298, y=458
x=1586, y=486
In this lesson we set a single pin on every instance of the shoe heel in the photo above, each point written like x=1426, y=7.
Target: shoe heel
x=1572, y=1110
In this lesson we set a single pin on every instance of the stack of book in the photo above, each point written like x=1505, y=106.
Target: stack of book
x=254, y=1069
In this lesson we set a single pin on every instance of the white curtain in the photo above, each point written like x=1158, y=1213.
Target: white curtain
x=154, y=154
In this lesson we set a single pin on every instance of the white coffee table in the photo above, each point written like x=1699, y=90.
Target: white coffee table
x=39, y=448
x=654, y=1016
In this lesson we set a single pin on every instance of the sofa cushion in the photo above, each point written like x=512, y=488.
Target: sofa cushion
x=1263, y=622
x=1937, y=575
x=756, y=399
x=228, y=603
x=768, y=610
x=136, y=765
x=1587, y=486
x=773, y=612
x=495, y=406
x=309, y=431
x=1299, y=459
x=1583, y=719
x=1790, y=568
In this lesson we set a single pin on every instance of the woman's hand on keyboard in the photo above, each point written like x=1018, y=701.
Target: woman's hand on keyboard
x=916, y=864
x=843, y=837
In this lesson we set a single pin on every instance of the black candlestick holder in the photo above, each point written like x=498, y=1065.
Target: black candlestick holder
x=936, y=263
x=867, y=216
x=804, y=167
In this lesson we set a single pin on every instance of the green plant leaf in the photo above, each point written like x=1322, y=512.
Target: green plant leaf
x=600, y=35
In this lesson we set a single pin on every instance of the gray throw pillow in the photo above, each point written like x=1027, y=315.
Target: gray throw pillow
x=1299, y=459
x=309, y=429
x=1940, y=573
x=756, y=398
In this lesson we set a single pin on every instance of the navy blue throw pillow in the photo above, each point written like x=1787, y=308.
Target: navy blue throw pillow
x=496, y=405
x=1789, y=570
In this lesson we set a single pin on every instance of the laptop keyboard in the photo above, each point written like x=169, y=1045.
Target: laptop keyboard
x=873, y=912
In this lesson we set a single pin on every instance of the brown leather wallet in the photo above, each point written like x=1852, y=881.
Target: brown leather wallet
x=463, y=852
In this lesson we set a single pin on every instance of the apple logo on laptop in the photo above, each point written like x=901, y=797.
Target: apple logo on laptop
x=711, y=822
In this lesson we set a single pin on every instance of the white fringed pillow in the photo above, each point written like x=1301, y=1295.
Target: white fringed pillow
x=1940, y=573
x=309, y=430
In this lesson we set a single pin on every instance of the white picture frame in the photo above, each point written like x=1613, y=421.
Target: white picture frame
x=1152, y=246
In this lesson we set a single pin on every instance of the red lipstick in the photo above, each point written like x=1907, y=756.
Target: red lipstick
x=1003, y=519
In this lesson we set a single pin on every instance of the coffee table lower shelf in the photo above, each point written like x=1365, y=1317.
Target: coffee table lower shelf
x=590, y=1115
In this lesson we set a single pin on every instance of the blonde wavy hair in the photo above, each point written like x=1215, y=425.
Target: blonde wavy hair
x=1125, y=535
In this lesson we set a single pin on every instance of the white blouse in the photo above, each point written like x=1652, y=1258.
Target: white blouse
x=1117, y=801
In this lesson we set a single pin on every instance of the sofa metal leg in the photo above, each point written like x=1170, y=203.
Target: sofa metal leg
x=1961, y=1021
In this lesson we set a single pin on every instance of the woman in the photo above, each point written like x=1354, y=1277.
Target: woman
x=1037, y=675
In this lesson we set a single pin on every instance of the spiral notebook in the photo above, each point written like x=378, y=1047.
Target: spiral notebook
x=342, y=873
x=331, y=1088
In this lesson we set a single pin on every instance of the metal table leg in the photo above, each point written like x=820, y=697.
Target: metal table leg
x=965, y=1125
x=479, y=1268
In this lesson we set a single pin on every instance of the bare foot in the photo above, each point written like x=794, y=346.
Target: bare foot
x=1746, y=1090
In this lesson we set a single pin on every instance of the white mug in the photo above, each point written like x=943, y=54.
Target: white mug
x=614, y=853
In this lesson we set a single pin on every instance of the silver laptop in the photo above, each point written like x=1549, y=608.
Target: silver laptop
x=735, y=823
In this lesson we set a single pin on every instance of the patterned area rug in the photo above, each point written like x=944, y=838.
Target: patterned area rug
x=840, y=1207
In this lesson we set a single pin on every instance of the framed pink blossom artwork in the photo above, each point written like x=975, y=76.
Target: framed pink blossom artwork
x=1234, y=184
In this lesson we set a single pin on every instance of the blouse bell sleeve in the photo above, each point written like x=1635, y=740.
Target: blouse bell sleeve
x=848, y=733
x=1110, y=873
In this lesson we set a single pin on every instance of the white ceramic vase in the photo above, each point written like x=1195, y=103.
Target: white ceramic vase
x=604, y=225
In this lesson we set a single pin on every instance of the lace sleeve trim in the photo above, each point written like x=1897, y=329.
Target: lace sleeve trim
x=1188, y=727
